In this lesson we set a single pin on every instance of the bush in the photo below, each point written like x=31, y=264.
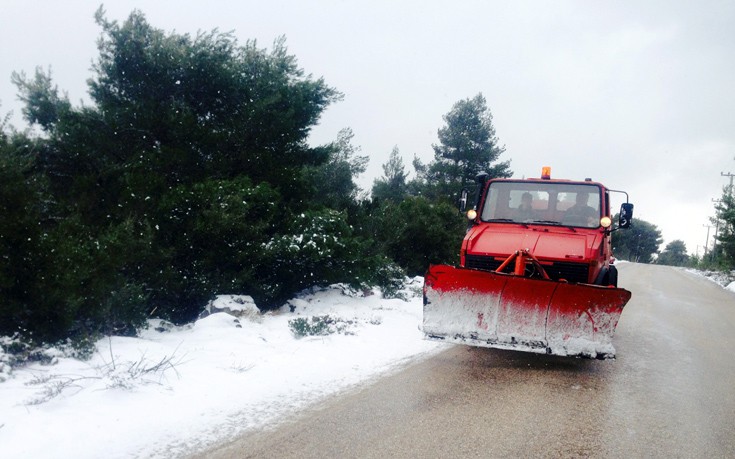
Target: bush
x=390, y=278
x=15, y=351
x=211, y=234
x=93, y=283
x=317, y=248
x=20, y=236
x=417, y=232
x=319, y=326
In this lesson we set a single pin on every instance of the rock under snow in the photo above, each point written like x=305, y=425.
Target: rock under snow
x=242, y=306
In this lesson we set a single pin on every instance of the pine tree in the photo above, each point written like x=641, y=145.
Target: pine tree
x=392, y=185
x=171, y=109
x=725, y=212
x=467, y=145
x=164, y=189
x=639, y=243
x=334, y=181
x=674, y=254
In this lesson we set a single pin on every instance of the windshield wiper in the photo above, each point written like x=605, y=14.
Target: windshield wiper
x=555, y=223
x=501, y=220
x=548, y=222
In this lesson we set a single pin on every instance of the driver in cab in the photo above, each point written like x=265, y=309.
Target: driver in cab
x=581, y=213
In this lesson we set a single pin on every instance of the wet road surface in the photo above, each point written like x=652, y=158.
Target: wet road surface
x=669, y=393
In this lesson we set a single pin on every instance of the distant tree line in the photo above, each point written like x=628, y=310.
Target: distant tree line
x=189, y=175
x=719, y=254
x=642, y=241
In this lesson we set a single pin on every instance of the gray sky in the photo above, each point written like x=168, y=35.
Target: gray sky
x=637, y=95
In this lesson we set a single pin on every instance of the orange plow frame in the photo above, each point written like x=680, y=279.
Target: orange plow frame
x=509, y=311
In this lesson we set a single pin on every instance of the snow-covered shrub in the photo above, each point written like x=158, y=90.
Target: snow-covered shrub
x=6, y=358
x=16, y=352
x=390, y=278
x=318, y=248
x=319, y=326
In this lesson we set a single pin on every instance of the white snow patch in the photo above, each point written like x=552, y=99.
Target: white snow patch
x=175, y=390
x=724, y=279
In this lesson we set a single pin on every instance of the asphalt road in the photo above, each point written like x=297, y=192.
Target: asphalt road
x=670, y=393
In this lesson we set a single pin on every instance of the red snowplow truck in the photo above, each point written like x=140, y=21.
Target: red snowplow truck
x=536, y=270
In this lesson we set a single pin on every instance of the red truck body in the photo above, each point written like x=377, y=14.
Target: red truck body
x=535, y=272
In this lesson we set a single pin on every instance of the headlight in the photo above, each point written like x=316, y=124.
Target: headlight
x=471, y=214
x=605, y=222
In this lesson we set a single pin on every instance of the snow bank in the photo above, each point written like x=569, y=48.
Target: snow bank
x=723, y=279
x=174, y=390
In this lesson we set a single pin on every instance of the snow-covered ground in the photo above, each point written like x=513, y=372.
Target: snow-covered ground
x=726, y=280
x=174, y=390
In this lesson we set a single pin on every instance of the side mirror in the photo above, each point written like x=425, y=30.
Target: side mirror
x=463, y=200
x=626, y=215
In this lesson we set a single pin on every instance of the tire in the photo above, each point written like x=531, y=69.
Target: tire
x=608, y=276
x=612, y=276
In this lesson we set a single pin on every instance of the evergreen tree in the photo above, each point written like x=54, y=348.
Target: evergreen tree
x=639, y=243
x=43, y=104
x=21, y=201
x=188, y=175
x=417, y=232
x=674, y=254
x=392, y=185
x=725, y=212
x=334, y=181
x=171, y=110
x=468, y=145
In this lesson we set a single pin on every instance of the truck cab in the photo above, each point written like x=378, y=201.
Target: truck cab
x=565, y=224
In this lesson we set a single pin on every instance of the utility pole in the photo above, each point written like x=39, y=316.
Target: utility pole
x=731, y=175
x=717, y=230
x=706, y=242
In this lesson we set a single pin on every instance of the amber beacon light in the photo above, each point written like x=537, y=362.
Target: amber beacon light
x=546, y=172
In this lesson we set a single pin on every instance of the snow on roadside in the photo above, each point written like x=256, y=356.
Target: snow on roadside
x=723, y=279
x=174, y=390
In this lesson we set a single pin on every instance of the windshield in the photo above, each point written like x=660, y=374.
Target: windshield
x=547, y=203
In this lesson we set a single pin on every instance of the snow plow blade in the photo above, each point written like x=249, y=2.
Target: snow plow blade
x=505, y=311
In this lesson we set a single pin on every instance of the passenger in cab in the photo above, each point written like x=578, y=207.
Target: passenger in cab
x=525, y=211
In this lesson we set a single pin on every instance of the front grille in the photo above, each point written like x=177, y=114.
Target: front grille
x=572, y=272
x=481, y=262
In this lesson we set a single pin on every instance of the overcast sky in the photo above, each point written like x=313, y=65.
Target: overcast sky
x=637, y=95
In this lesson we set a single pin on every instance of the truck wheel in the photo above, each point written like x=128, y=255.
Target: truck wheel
x=612, y=276
x=607, y=276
